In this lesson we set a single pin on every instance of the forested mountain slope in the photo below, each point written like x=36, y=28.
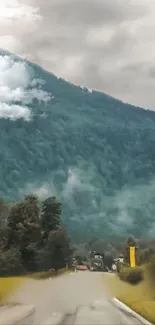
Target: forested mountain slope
x=95, y=153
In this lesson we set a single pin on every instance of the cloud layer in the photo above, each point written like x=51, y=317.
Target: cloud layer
x=18, y=88
x=104, y=44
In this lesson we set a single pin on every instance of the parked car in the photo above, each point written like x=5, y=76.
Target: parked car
x=82, y=267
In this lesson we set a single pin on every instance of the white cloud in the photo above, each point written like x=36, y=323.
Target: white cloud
x=17, y=85
x=73, y=182
x=77, y=180
x=13, y=10
x=41, y=190
x=14, y=112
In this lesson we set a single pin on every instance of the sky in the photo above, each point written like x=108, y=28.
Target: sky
x=106, y=45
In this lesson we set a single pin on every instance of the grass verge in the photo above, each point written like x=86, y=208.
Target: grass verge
x=8, y=285
x=140, y=297
x=48, y=274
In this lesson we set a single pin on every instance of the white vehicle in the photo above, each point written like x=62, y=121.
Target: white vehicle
x=114, y=267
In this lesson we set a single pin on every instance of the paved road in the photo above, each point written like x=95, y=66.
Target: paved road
x=80, y=296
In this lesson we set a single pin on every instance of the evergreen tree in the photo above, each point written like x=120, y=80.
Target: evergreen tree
x=25, y=247
x=24, y=229
x=51, y=215
x=59, y=248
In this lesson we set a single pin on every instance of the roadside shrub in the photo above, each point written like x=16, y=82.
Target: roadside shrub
x=10, y=263
x=121, y=265
x=47, y=274
x=132, y=276
x=151, y=271
x=118, y=267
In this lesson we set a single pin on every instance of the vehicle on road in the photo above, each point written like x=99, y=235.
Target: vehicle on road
x=82, y=267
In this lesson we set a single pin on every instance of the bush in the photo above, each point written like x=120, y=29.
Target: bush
x=10, y=263
x=151, y=271
x=132, y=276
x=47, y=274
x=121, y=265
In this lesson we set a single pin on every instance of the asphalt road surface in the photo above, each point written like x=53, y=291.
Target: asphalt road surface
x=80, y=297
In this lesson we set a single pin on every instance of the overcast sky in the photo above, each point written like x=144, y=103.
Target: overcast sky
x=108, y=45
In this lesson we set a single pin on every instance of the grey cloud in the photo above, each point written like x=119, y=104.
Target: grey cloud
x=121, y=41
x=151, y=71
x=145, y=69
x=95, y=79
x=90, y=12
x=134, y=67
x=120, y=64
x=112, y=83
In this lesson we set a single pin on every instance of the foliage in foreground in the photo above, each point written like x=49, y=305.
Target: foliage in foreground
x=33, y=237
x=131, y=275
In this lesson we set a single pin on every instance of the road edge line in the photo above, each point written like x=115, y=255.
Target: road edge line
x=130, y=311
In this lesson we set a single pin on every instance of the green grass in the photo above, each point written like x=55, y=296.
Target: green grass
x=140, y=297
x=8, y=285
x=47, y=274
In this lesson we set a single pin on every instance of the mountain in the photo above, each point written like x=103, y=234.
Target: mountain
x=94, y=152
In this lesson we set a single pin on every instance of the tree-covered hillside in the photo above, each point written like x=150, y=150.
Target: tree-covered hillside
x=95, y=153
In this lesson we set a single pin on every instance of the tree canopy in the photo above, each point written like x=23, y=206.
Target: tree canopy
x=24, y=246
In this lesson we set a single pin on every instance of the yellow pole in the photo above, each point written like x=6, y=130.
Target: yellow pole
x=132, y=256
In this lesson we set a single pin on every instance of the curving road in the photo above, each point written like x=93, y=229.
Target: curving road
x=80, y=297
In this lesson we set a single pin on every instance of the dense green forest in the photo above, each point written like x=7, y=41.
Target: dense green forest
x=93, y=152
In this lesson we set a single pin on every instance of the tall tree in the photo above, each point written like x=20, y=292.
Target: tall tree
x=24, y=228
x=51, y=215
x=59, y=248
x=4, y=211
x=10, y=262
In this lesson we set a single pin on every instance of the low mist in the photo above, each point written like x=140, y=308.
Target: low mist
x=88, y=212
